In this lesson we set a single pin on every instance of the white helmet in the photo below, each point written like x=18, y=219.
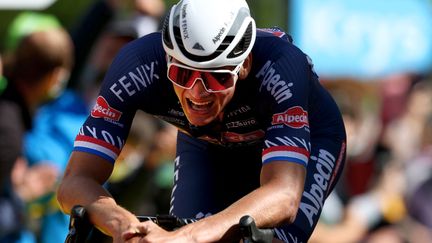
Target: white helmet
x=209, y=33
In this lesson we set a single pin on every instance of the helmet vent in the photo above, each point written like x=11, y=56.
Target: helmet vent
x=198, y=46
x=165, y=33
x=224, y=45
x=243, y=44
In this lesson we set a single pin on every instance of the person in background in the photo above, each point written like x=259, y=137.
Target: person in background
x=117, y=34
x=417, y=168
x=36, y=71
x=57, y=122
x=359, y=105
x=387, y=203
x=139, y=17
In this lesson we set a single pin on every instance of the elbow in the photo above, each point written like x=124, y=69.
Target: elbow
x=292, y=214
x=289, y=209
x=61, y=197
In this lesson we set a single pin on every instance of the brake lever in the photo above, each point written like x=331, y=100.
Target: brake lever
x=252, y=234
x=79, y=225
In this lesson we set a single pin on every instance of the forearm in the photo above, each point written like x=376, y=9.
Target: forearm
x=82, y=185
x=225, y=223
x=103, y=211
x=272, y=204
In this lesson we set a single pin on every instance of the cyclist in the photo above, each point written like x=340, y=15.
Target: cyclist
x=258, y=134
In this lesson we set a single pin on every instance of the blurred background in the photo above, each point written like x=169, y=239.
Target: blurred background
x=374, y=56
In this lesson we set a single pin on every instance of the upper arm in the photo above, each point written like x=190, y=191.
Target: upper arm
x=283, y=174
x=83, y=179
x=87, y=165
x=285, y=181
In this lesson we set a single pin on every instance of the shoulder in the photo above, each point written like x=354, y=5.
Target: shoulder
x=276, y=42
x=274, y=47
x=149, y=39
x=147, y=44
x=143, y=54
x=275, y=33
x=142, y=50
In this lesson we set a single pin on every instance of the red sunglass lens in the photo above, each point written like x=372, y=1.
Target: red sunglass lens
x=218, y=81
x=213, y=81
x=180, y=76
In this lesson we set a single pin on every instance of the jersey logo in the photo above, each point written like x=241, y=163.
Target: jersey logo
x=274, y=83
x=103, y=110
x=294, y=117
x=217, y=38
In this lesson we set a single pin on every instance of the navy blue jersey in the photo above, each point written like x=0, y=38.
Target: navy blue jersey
x=279, y=112
x=281, y=103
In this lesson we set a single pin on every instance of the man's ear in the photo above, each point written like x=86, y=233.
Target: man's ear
x=246, y=68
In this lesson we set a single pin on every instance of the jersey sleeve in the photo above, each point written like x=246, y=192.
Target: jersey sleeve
x=285, y=84
x=124, y=90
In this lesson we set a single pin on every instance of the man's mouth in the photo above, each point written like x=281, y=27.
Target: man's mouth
x=199, y=105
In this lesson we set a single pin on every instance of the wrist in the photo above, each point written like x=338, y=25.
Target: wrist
x=207, y=230
x=110, y=218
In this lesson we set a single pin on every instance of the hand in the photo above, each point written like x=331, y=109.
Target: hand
x=155, y=8
x=35, y=181
x=148, y=232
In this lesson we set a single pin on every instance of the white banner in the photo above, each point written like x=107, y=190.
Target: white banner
x=364, y=37
x=25, y=4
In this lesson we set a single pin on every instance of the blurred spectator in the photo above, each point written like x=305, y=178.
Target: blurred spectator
x=56, y=126
x=36, y=70
x=3, y=81
x=420, y=210
x=114, y=30
x=141, y=18
x=393, y=204
x=403, y=134
x=350, y=211
x=418, y=169
x=360, y=106
x=25, y=23
x=394, y=91
x=57, y=123
x=49, y=142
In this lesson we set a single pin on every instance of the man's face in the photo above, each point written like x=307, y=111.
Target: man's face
x=200, y=105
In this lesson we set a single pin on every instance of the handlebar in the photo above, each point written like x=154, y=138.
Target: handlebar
x=80, y=226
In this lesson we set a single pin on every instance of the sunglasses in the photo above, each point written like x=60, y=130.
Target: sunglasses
x=213, y=80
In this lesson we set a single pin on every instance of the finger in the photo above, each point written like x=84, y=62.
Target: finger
x=130, y=233
x=134, y=230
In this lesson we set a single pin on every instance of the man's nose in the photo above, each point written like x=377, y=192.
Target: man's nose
x=198, y=88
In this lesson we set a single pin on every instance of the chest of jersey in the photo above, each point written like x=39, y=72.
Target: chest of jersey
x=240, y=125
